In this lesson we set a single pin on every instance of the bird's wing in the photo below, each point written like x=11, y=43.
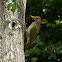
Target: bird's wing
x=33, y=34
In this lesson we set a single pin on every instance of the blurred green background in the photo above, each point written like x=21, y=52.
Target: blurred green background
x=47, y=47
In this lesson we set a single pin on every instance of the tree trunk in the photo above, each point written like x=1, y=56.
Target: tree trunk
x=12, y=33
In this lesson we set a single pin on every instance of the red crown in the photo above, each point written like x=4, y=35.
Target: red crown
x=39, y=18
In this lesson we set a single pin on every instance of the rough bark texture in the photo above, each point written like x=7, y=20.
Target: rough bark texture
x=12, y=33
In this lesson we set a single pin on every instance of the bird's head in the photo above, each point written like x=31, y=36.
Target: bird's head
x=37, y=18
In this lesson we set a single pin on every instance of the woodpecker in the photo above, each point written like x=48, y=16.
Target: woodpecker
x=33, y=30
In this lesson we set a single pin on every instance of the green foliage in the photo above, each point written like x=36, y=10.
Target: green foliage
x=34, y=59
x=47, y=47
x=9, y=5
x=44, y=21
x=13, y=6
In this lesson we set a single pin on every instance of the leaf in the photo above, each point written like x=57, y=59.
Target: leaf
x=36, y=50
x=34, y=58
x=50, y=24
x=52, y=55
x=51, y=0
x=37, y=40
x=18, y=6
x=17, y=3
x=28, y=52
x=14, y=0
x=13, y=8
x=58, y=22
x=40, y=43
x=9, y=6
x=44, y=21
x=25, y=59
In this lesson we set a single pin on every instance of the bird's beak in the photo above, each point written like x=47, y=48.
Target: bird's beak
x=32, y=16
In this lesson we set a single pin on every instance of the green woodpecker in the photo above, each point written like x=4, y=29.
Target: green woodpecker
x=33, y=30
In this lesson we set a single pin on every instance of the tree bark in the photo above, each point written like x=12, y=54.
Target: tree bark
x=12, y=33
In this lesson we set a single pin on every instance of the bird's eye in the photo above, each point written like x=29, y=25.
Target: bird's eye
x=36, y=18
